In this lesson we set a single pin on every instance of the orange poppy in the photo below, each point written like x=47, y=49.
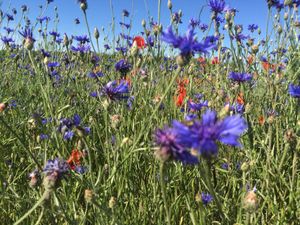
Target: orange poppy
x=240, y=99
x=74, y=158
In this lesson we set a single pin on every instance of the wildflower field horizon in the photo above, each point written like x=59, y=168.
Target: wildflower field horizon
x=168, y=122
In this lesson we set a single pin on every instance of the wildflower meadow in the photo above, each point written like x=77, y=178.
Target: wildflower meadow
x=182, y=117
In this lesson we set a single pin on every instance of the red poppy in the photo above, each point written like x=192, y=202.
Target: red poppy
x=140, y=42
x=240, y=99
x=250, y=59
x=215, y=60
x=181, y=90
x=74, y=158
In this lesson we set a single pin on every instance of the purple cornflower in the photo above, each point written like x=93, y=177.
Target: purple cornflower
x=42, y=19
x=53, y=64
x=106, y=46
x=294, y=91
x=116, y=91
x=27, y=34
x=252, y=27
x=203, y=135
x=125, y=13
x=45, y=53
x=240, y=77
x=8, y=30
x=176, y=17
x=206, y=198
x=54, y=34
x=187, y=44
x=24, y=8
x=81, y=48
x=194, y=22
x=77, y=21
x=6, y=40
x=9, y=17
x=196, y=106
x=216, y=6
x=203, y=27
x=57, y=167
x=82, y=39
x=95, y=74
x=125, y=25
x=123, y=66
x=169, y=141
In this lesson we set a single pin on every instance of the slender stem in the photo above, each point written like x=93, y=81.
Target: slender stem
x=37, y=204
x=163, y=191
x=89, y=31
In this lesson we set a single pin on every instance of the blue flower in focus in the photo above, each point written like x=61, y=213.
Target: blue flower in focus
x=294, y=91
x=240, y=77
x=82, y=39
x=187, y=44
x=27, y=34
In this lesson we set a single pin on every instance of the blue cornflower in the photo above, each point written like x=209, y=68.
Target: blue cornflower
x=196, y=106
x=8, y=30
x=252, y=27
x=42, y=19
x=107, y=47
x=204, y=134
x=54, y=34
x=169, y=141
x=123, y=66
x=176, y=17
x=216, y=6
x=53, y=64
x=203, y=27
x=43, y=137
x=82, y=39
x=116, y=91
x=206, y=198
x=77, y=21
x=294, y=91
x=57, y=167
x=240, y=77
x=6, y=40
x=9, y=17
x=45, y=53
x=27, y=34
x=187, y=44
x=125, y=13
x=122, y=49
x=125, y=25
x=95, y=74
x=81, y=48
x=24, y=8
x=194, y=22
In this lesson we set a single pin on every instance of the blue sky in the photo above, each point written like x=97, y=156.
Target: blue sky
x=99, y=12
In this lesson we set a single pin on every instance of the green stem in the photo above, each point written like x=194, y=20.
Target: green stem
x=89, y=31
x=163, y=191
x=37, y=204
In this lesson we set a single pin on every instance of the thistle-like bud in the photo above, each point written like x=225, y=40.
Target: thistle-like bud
x=286, y=16
x=163, y=154
x=250, y=201
x=228, y=16
x=144, y=23
x=2, y=107
x=96, y=33
x=134, y=51
x=112, y=202
x=288, y=2
x=66, y=40
x=170, y=6
x=115, y=120
x=279, y=30
x=88, y=195
x=259, y=31
x=28, y=44
x=255, y=48
x=83, y=6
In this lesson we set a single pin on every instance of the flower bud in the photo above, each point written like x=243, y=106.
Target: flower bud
x=28, y=44
x=286, y=16
x=288, y=2
x=96, y=33
x=163, y=154
x=88, y=195
x=170, y=4
x=83, y=6
x=66, y=40
x=144, y=23
x=112, y=202
x=250, y=201
x=279, y=30
x=2, y=107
